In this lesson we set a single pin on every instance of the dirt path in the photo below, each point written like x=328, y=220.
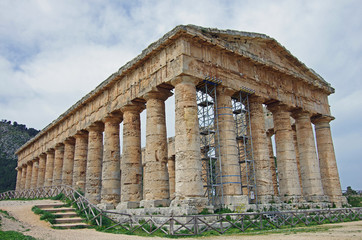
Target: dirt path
x=29, y=224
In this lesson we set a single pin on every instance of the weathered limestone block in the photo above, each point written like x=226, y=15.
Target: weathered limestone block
x=29, y=170
x=80, y=160
x=41, y=170
x=58, y=164
x=289, y=184
x=94, y=163
x=111, y=175
x=155, y=174
x=49, y=168
x=309, y=164
x=188, y=182
x=68, y=164
x=228, y=144
x=264, y=181
x=34, y=177
x=131, y=165
x=23, y=177
x=327, y=160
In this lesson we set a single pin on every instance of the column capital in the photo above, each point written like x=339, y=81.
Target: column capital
x=81, y=134
x=158, y=93
x=43, y=155
x=225, y=90
x=256, y=99
x=59, y=146
x=133, y=107
x=96, y=126
x=69, y=140
x=29, y=163
x=322, y=118
x=299, y=112
x=184, y=79
x=115, y=117
x=278, y=106
x=35, y=159
x=50, y=151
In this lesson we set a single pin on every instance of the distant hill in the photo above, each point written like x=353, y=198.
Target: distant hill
x=12, y=136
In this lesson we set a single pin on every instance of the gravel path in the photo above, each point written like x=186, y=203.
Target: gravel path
x=29, y=224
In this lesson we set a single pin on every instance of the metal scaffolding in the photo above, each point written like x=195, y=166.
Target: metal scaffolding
x=209, y=140
x=241, y=113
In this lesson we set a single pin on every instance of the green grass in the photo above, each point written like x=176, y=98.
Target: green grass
x=11, y=235
x=6, y=214
x=44, y=215
x=355, y=201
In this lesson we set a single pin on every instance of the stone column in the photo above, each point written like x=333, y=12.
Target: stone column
x=294, y=128
x=230, y=166
x=309, y=165
x=58, y=164
x=18, y=178
x=131, y=165
x=263, y=175
x=49, y=168
x=188, y=182
x=273, y=168
x=171, y=176
x=327, y=160
x=34, y=175
x=41, y=170
x=23, y=176
x=289, y=185
x=155, y=175
x=111, y=176
x=94, y=163
x=80, y=160
x=67, y=173
x=29, y=170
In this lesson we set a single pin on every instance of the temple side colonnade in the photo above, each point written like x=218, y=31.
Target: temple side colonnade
x=82, y=147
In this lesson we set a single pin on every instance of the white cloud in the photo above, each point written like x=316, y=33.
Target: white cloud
x=54, y=52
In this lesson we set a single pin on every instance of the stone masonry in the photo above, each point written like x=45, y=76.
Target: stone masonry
x=82, y=147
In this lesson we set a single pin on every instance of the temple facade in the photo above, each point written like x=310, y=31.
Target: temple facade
x=234, y=91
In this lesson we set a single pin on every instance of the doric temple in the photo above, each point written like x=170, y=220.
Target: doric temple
x=237, y=94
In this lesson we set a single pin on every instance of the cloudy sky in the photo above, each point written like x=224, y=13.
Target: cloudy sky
x=54, y=52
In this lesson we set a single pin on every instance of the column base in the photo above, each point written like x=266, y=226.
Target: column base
x=155, y=203
x=127, y=205
x=316, y=198
x=194, y=205
x=292, y=199
x=339, y=201
x=269, y=199
x=238, y=203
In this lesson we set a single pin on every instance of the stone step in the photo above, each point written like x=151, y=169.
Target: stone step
x=62, y=209
x=70, y=225
x=53, y=205
x=65, y=214
x=69, y=220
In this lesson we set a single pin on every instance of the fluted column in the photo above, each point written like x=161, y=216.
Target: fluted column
x=94, y=163
x=188, y=167
x=228, y=146
x=289, y=184
x=80, y=160
x=34, y=175
x=68, y=163
x=171, y=176
x=41, y=170
x=23, y=176
x=309, y=164
x=29, y=170
x=18, y=178
x=111, y=176
x=49, y=168
x=131, y=165
x=58, y=164
x=273, y=168
x=296, y=148
x=327, y=159
x=155, y=175
x=264, y=181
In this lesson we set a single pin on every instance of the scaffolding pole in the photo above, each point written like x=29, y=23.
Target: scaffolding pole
x=209, y=141
x=241, y=113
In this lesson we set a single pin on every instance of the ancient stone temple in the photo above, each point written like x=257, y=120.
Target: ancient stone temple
x=234, y=91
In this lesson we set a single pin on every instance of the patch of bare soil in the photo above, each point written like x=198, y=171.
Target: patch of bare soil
x=29, y=224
